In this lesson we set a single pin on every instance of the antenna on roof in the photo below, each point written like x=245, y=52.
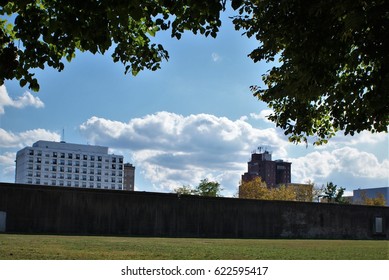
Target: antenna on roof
x=63, y=136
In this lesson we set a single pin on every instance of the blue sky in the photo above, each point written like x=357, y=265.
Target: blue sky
x=195, y=118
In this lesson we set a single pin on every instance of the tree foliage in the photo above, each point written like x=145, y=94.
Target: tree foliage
x=333, y=194
x=205, y=188
x=39, y=33
x=333, y=65
x=333, y=70
x=257, y=189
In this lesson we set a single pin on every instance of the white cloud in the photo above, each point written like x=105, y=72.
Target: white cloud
x=27, y=99
x=7, y=163
x=25, y=138
x=216, y=57
x=172, y=150
x=263, y=115
x=340, y=165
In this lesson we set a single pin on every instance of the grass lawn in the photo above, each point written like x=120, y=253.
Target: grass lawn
x=52, y=247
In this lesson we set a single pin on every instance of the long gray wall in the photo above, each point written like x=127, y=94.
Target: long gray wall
x=62, y=210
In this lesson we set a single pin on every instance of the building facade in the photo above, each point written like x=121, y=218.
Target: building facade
x=272, y=172
x=69, y=165
x=129, y=177
x=370, y=193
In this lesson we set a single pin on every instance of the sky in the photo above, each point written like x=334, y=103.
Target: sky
x=194, y=118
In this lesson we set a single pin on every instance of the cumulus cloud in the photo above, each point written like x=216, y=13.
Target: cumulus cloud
x=338, y=164
x=25, y=138
x=263, y=115
x=7, y=164
x=172, y=150
x=27, y=99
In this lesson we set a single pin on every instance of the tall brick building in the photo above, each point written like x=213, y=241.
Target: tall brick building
x=272, y=172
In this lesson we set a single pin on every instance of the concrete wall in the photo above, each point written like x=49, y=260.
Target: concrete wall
x=62, y=210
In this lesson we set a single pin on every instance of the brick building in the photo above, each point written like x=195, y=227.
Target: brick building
x=272, y=172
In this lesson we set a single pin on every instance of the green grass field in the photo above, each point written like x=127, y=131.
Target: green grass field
x=52, y=247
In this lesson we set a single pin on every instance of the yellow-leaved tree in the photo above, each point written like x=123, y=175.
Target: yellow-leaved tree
x=257, y=189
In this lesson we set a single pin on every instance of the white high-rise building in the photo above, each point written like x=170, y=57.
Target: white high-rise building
x=69, y=165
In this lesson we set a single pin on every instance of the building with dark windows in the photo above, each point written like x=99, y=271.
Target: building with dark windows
x=272, y=172
x=129, y=177
x=69, y=165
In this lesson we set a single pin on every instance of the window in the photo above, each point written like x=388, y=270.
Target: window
x=31, y=152
x=99, y=158
x=77, y=156
x=54, y=154
x=54, y=161
x=92, y=157
x=84, y=157
x=69, y=169
x=84, y=177
x=70, y=162
x=61, y=169
x=62, y=162
x=62, y=155
x=76, y=177
x=54, y=168
x=69, y=183
x=69, y=177
x=114, y=159
x=77, y=170
x=91, y=178
x=70, y=156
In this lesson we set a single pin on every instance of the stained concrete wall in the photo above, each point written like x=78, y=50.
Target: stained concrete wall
x=62, y=210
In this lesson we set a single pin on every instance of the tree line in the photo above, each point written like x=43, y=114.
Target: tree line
x=257, y=189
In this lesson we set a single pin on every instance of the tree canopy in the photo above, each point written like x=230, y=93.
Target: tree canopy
x=332, y=71
x=39, y=33
x=204, y=188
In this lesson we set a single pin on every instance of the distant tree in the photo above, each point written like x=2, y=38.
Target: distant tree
x=333, y=194
x=184, y=190
x=303, y=192
x=379, y=200
x=257, y=189
x=283, y=193
x=208, y=188
x=253, y=189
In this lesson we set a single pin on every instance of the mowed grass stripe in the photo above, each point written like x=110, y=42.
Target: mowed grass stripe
x=54, y=247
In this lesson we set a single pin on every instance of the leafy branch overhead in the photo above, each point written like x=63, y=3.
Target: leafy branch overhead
x=331, y=59
x=40, y=33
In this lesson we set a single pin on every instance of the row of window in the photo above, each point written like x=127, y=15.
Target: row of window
x=75, y=163
x=75, y=156
x=68, y=169
x=77, y=177
x=76, y=184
